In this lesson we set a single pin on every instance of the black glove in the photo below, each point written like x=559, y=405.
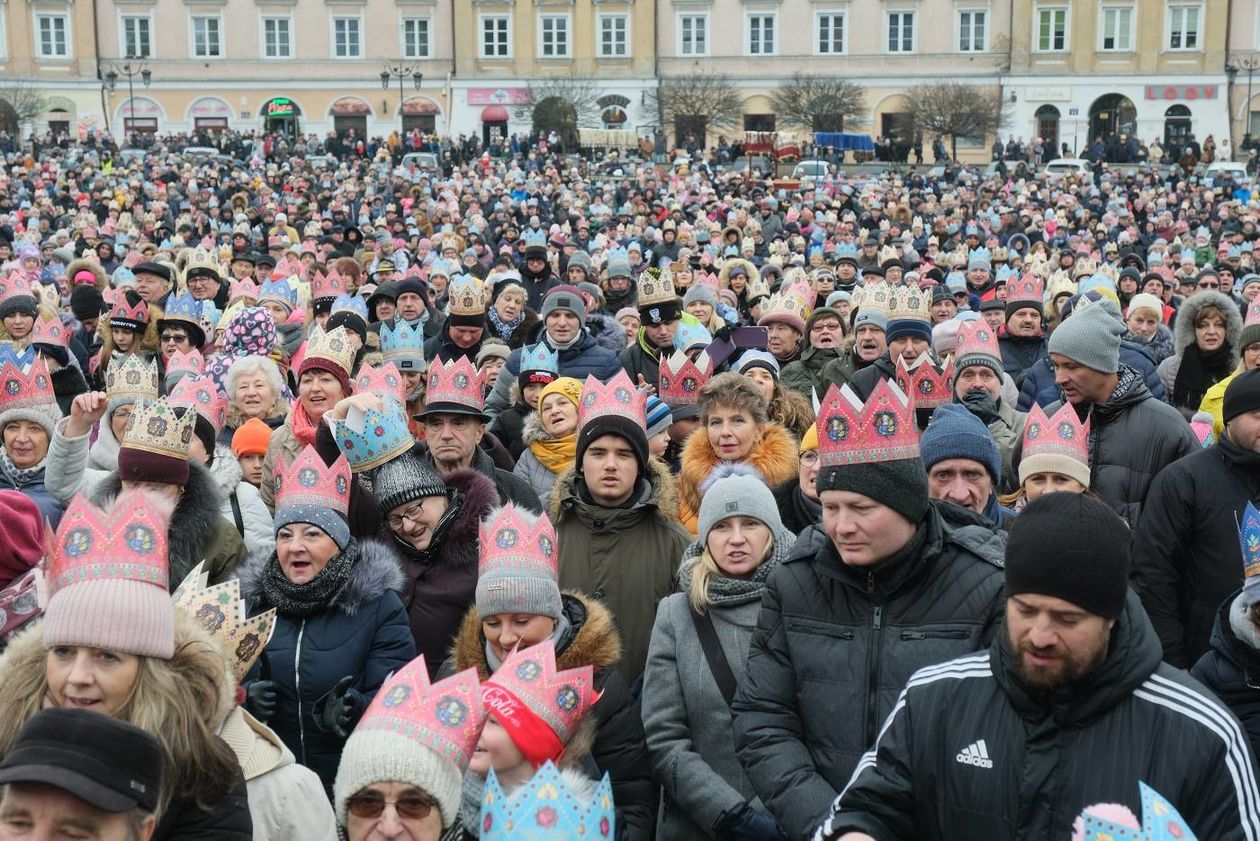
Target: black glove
x=982, y=404
x=339, y=708
x=260, y=699
x=744, y=823
x=724, y=332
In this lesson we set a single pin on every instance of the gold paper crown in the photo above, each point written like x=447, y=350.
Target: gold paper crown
x=876, y=296
x=333, y=346
x=132, y=378
x=221, y=611
x=203, y=259
x=1084, y=266
x=157, y=428
x=656, y=286
x=466, y=296
x=888, y=253
x=758, y=287
x=909, y=303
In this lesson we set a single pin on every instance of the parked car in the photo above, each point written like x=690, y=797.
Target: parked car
x=420, y=160
x=1068, y=166
x=811, y=171
x=1237, y=173
x=759, y=164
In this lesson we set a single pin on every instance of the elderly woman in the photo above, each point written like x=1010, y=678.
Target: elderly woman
x=550, y=436
x=28, y=417
x=255, y=389
x=508, y=317
x=687, y=689
x=340, y=626
x=1207, y=338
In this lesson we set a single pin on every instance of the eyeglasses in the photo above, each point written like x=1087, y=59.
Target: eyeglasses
x=809, y=458
x=412, y=514
x=177, y=338
x=411, y=807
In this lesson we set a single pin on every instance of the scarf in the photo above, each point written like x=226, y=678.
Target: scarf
x=505, y=330
x=1199, y=371
x=557, y=346
x=723, y=591
x=19, y=477
x=302, y=600
x=303, y=427
x=556, y=454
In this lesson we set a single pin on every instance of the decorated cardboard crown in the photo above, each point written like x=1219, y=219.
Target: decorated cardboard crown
x=889, y=254
x=978, y=255
x=1062, y=435
x=203, y=261
x=157, y=428
x=1059, y=283
x=1249, y=537
x=48, y=330
x=909, y=303
x=690, y=334
x=539, y=357
x=26, y=389
x=401, y=339
x=383, y=381
x=529, y=675
x=247, y=289
x=976, y=339
x=1113, y=822
x=853, y=432
x=656, y=286
x=1003, y=275
x=333, y=346
x=446, y=717
x=200, y=394
x=16, y=285
x=456, y=381
x=90, y=546
x=758, y=287
x=1202, y=426
x=619, y=398
x=122, y=314
x=308, y=481
x=278, y=289
x=186, y=308
x=221, y=611
x=790, y=302
x=440, y=268
x=1025, y=290
x=546, y=808
x=534, y=238
x=18, y=358
x=927, y=386
x=467, y=296
x=846, y=252
x=681, y=379
x=873, y=296
x=369, y=438
x=191, y=362
x=328, y=285
x=350, y=303
x=133, y=377
x=510, y=541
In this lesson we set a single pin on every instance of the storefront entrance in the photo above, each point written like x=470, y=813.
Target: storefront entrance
x=281, y=115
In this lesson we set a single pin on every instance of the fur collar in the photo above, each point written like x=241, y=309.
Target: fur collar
x=103, y=454
x=663, y=495
x=774, y=458
x=225, y=469
x=533, y=430
x=375, y=573
x=478, y=497
x=1189, y=311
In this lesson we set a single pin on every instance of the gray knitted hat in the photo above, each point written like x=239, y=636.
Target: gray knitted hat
x=517, y=571
x=737, y=496
x=404, y=479
x=618, y=266
x=1090, y=337
x=700, y=292
x=47, y=415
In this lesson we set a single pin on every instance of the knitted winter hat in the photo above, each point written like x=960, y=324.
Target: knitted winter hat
x=1241, y=395
x=23, y=543
x=492, y=350
x=86, y=302
x=1146, y=301
x=739, y=495
x=403, y=479
x=518, y=569
x=954, y=432
x=251, y=438
x=1090, y=337
x=568, y=387
x=657, y=416
x=564, y=298
x=700, y=292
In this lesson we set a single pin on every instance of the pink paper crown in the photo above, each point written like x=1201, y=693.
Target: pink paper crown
x=851, y=432
x=977, y=338
x=682, y=379
x=327, y=285
x=384, y=381
x=455, y=381
x=308, y=481
x=92, y=546
x=247, y=288
x=25, y=389
x=49, y=331
x=1062, y=435
x=1028, y=289
x=192, y=362
x=926, y=385
x=618, y=398
x=200, y=394
x=510, y=540
x=561, y=699
x=16, y=285
x=445, y=717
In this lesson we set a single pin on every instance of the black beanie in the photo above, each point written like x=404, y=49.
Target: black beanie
x=1072, y=547
x=205, y=433
x=350, y=320
x=86, y=302
x=619, y=426
x=900, y=484
x=1241, y=395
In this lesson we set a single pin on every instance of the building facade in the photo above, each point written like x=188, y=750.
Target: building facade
x=1243, y=70
x=48, y=66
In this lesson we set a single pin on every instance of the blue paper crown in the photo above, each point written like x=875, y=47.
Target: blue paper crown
x=539, y=357
x=981, y=253
x=381, y=436
x=533, y=237
x=184, y=308
x=20, y=359
x=847, y=249
x=1160, y=822
x=546, y=808
x=1003, y=273
x=439, y=266
x=689, y=334
x=1249, y=536
x=618, y=253
x=348, y=303
x=402, y=341
x=278, y=290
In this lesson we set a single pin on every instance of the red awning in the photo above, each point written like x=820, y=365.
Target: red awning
x=494, y=114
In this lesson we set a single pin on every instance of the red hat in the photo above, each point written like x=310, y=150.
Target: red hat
x=23, y=543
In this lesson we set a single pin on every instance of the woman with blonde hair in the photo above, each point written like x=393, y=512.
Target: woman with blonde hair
x=699, y=643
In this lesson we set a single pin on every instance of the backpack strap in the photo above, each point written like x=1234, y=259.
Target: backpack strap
x=718, y=665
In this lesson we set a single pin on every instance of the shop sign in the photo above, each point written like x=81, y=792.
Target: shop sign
x=280, y=107
x=1189, y=93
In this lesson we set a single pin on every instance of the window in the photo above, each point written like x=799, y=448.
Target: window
x=206, y=41
x=614, y=36
x=693, y=34
x=1183, y=27
x=1051, y=29
x=831, y=33
x=137, y=37
x=347, y=41
x=415, y=37
x=761, y=34
x=553, y=35
x=901, y=32
x=973, y=31
x=277, y=40
x=4, y=36
x=1117, y=29
x=54, y=40
x=495, y=38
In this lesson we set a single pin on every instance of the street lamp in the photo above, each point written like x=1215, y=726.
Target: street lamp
x=131, y=70
x=400, y=71
x=1250, y=64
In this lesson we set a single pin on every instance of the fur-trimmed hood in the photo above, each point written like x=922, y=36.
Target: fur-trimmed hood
x=533, y=431
x=85, y=265
x=225, y=468
x=374, y=573
x=1189, y=310
x=724, y=275
x=662, y=492
x=774, y=459
x=458, y=542
x=606, y=332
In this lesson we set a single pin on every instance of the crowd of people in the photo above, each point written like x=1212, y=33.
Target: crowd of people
x=513, y=500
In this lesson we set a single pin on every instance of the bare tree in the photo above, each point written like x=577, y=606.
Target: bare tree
x=695, y=103
x=957, y=110
x=27, y=101
x=820, y=103
x=562, y=104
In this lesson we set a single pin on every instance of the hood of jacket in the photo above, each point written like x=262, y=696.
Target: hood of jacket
x=1235, y=637
x=456, y=541
x=533, y=432
x=660, y=493
x=606, y=332
x=258, y=749
x=103, y=454
x=1183, y=334
x=774, y=458
x=374, y=573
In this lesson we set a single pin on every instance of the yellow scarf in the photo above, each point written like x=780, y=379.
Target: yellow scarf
x=557, y=454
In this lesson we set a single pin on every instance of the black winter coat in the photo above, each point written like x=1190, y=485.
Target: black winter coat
x=638, y=362
x=795, y=510
x=229, y=821
x=1132, y=719
x=1020, y=354
x=1185, y=550
x=1231, y=667
x=834, y=645
x=863, y=382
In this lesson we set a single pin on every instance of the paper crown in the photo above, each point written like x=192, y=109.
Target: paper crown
x=122, y=314
x=873, y=296
x=852, y=432
x=456, y=381
x=26, y=389
x=790, y=301
x=11, y=355
x=1160, y=821
x=688, y=335
x=308, y=481
x=1003, y=275
x=546, y=808
x=758, y=287
x=439, y=267
x=49, y=331
x=192, y=362
x=203, y=261
x=977, y=255
x=130, y=544
x=681, y=379
x=561, y=699
x=1061, y=435
x=133, y=377
x=446, y=717
x=976, y=339
x=539, y=357
x=185, y=308
x=656, y=286
x=202, y=395
x=1249, y=537
x=889, y=254
x=368, y=438
x=927, y=386
x=277, y=290
x=401, y=339
x=511, y=541
x=350, y=303
x=16, y=285
x=333, y=346
x=327, y=285
x=1253, y=313
x=1202, y=427
x=534, y=238
x=909, y=303
x=619, y=398
x=466, y=295
x=383, y=381
x=247, y=288
x=221, y=611
x=1026, y=290
x=157, y=428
